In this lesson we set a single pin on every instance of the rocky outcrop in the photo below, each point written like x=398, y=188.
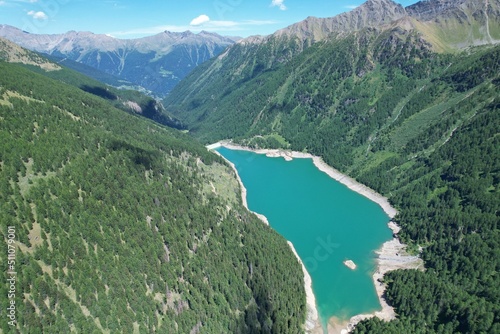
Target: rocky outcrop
x=381, y=14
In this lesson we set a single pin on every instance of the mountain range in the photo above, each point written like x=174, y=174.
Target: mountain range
x=130, y=101
x=155, y=63
x=447, y=24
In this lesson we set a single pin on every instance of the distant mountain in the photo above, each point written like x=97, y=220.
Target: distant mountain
x=373, y=13
x=127, y=100
x=94, y=73
x=457, y=24
x=156, y=63
x=378, y=30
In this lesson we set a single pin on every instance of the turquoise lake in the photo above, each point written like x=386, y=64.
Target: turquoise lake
x=327, y=223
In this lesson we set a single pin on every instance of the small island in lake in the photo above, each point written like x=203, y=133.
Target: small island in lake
x=350, y=264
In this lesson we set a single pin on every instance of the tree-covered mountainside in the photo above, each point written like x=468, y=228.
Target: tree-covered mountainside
x=299, y=77
x=125, y=226
x=13, y=53
x=93, y=73
x=382, y=105
x=126, y=99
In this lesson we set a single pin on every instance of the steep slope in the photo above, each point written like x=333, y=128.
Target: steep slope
x=447, y=24
x=381, y=104
x=94, y=73
x=112, y=223
x=382, y=35
x=155, y=63
x=128, y=100
x=13, y=53
x=454, y=24
x=435, y=25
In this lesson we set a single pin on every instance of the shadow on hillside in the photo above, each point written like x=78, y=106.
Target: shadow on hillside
x=99, y=91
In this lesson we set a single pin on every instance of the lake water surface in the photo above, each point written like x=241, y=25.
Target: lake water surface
x=327, y=223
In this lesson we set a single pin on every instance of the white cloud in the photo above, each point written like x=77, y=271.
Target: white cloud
x=38, y=15
x=199, y=20
x=279, y=3
x=351, y=6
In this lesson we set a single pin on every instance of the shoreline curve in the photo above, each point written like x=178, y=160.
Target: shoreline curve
x=391, y=255
x=312, y=324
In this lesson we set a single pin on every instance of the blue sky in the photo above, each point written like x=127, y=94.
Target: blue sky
x=132, y=19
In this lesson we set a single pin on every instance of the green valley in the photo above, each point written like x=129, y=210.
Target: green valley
x=117, y=219
x=409, y=112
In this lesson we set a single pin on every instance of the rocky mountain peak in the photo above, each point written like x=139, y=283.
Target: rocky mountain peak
x=372, y=13
x=87, y=41
x=446, y=15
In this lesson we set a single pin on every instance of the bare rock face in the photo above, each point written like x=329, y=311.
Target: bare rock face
x=428, y=10
x=446, y=15
x=458, y=23
x=372, y=13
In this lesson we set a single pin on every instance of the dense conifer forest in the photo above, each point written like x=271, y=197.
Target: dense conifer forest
x=125, y=226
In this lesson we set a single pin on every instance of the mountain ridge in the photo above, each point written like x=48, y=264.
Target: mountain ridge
x=48, y=42
x=382, y=14
x=372, y=13
x=128, y=100
x=162, y=59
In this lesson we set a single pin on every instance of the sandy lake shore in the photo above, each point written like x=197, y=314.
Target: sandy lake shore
x=391, y=255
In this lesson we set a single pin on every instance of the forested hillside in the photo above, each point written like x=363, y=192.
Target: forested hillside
x=449, y=203
x=127, y=100
x=380, y=104
x=125, y=226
